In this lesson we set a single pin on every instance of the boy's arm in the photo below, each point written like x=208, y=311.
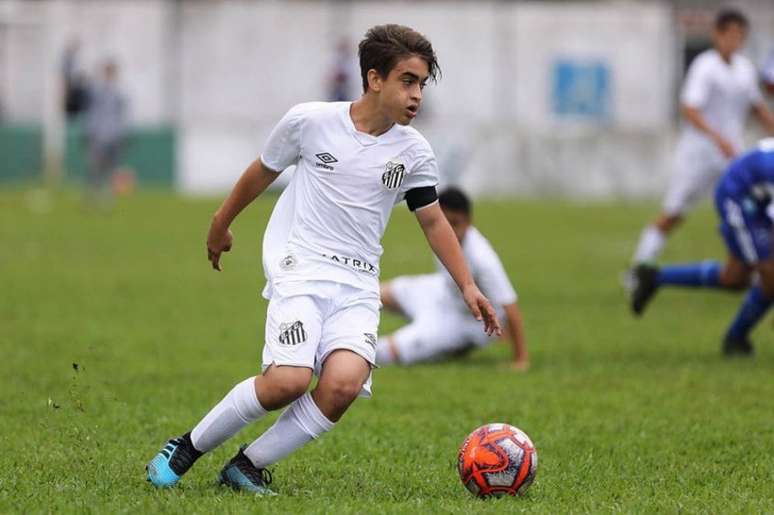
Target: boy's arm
x=763, y=113
x=253, y=182
x=516, y=333
x=695, y=118
x=444, y=243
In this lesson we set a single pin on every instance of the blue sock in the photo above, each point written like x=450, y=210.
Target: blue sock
x=705, y=273
x=752, y=310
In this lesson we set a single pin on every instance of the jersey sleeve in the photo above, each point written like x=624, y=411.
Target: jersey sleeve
x=423, y=170
x=283, y=148
x=492, y=279
x=696, y=88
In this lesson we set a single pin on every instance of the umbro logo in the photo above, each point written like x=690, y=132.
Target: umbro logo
x=327, y=160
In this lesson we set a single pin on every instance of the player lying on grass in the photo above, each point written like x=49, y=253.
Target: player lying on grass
x=721, y=87
x=440, y=324
x=743, y=199
x=321, y=253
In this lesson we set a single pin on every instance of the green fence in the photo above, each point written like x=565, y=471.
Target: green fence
x=149, y=151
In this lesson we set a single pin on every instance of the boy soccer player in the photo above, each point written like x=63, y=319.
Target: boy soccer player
x=321, y=254
x=440, y=324
x=743, y=199
x=720, y=88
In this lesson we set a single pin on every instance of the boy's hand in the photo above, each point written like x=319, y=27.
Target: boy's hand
x=219, y=240
x=482, y=309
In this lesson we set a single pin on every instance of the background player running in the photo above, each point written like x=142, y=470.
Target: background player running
x=743, y=199
x=440, y=323
x=321, y=253
x=720, y=88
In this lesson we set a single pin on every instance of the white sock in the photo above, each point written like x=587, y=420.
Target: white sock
x=650, y=245
x=301, y=422
x=384, y=354
x=237, y=409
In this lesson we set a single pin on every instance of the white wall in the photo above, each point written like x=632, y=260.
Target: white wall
x=225, y=71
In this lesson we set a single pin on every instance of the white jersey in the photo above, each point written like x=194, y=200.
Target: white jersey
x=487, y=269
x=328, y=223
x=723, y=93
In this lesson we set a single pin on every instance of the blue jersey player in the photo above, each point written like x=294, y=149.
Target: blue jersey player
x=744, y=199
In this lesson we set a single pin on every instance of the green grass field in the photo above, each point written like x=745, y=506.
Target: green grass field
x=627, y=415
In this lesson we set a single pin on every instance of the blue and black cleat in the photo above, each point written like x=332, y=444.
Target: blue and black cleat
x=174, y=460
x=241, y=474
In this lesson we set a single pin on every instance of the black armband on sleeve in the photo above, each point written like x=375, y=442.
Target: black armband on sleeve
x=421, y=197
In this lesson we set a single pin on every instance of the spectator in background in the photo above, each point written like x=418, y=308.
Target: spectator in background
x=104, y=131
x=76, y=85
x=342, y=73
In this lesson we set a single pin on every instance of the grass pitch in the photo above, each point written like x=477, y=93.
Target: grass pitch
x=116, y=335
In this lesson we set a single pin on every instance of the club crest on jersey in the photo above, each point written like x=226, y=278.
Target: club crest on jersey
x=292, y=334
x=288, y=262
x=393, y=175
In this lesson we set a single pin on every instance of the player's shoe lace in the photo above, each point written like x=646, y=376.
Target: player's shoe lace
x=241, y=474
x=172, y=461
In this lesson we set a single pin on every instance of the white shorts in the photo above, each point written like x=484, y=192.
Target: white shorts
x=307, y=321
x=438, y=325
x=697, y=168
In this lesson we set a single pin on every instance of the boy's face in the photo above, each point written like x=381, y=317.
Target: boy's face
x=459, y=222
x=400, y=93
x=730, y=39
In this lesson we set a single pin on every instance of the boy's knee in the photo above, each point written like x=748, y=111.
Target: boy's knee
x=344, y=391
x=282, y=385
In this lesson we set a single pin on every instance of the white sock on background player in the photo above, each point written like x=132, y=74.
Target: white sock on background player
x=300, y=423
x=650, y=245
x=237, y=409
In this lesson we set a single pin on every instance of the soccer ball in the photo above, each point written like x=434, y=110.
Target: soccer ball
x=497, y=459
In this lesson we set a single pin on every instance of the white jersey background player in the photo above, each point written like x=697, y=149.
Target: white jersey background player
x=439, y=323
x=720, y=88
x=354, y=162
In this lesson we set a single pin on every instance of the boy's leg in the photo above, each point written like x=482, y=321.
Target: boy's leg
x=754, y=306
x=694, y=174
x=292, y=337
x=343, y=375
x=247, y=402
x=733, y=275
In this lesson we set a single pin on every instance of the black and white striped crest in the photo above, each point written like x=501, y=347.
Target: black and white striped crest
x=292, y=334
x=393, y=176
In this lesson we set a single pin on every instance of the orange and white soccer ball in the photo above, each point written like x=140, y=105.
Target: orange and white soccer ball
x=497, y=459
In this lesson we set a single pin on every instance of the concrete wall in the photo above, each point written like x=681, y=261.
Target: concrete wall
x=536, y=98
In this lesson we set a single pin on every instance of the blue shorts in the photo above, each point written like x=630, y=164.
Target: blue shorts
x=746, y=228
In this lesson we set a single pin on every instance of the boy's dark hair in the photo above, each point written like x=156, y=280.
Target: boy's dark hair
x=727, y=17
x=454, y=199
x=384, y=45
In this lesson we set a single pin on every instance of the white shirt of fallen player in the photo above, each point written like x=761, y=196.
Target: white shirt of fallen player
x=723, y=92
x=347, y=182
x=439, y=321
x=488, y=273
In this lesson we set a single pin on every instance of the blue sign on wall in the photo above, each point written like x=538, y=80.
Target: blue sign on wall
x=581, y=89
